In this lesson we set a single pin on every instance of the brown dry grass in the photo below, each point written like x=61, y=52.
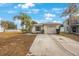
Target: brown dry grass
x=72, y=36
x=8, y=34
x=15, y=44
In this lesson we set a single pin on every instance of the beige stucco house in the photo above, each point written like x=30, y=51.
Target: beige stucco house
x=47, y=28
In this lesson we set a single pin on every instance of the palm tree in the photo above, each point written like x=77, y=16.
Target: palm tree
x=30, y=25
x=25, y=21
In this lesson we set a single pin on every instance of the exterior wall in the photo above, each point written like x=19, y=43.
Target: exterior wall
x=34, y=30
x=62, y=29
x=48, y=29
x=45, y=29
x=67, y=28
x=1, y=29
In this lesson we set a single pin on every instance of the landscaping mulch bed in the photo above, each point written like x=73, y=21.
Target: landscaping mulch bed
x=15, y=44
x=72, y=36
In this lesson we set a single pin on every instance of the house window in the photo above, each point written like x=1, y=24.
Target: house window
x=38, y=28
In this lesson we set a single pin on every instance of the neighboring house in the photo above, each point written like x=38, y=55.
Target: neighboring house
x=61, y=28
x=72, y=25
x=1, y=29
x=66, y=26
x=47, y=28
x=9, y=30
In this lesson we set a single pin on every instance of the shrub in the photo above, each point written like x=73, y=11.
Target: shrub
x=24, y=30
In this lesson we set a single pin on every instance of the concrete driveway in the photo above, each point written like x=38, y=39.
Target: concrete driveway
x=53, y=45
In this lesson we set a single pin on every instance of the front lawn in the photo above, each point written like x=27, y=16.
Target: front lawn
x=72, y=36
x=15, y=44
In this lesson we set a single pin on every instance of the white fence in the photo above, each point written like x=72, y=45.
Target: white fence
x=15, y=30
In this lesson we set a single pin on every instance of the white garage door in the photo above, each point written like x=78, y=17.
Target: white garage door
x=51, y=30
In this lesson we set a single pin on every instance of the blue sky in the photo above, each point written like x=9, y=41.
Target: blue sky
x=40, y=12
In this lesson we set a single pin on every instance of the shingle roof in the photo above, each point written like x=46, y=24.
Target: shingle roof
x=48, y=24
x=53, y=24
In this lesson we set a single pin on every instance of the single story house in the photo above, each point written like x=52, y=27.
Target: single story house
x=47, y=28
x=72, y=25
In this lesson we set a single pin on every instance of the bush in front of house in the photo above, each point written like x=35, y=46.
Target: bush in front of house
x=24, y=30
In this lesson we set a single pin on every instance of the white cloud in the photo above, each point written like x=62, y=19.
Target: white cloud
x=47, y=21
x=58, y=10
x=49, y=16
x=41, y=21
x=26, y=5
x=56, y=21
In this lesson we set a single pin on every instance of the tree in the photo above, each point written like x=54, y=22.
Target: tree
x=4, y=24
x=8, y=25
x=11, y=25
x=26, y=21
x=70, y=11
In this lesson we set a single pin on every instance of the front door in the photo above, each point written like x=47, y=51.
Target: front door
x=38, y=28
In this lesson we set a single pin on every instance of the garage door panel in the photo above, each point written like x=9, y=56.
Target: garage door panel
x=51, y=30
